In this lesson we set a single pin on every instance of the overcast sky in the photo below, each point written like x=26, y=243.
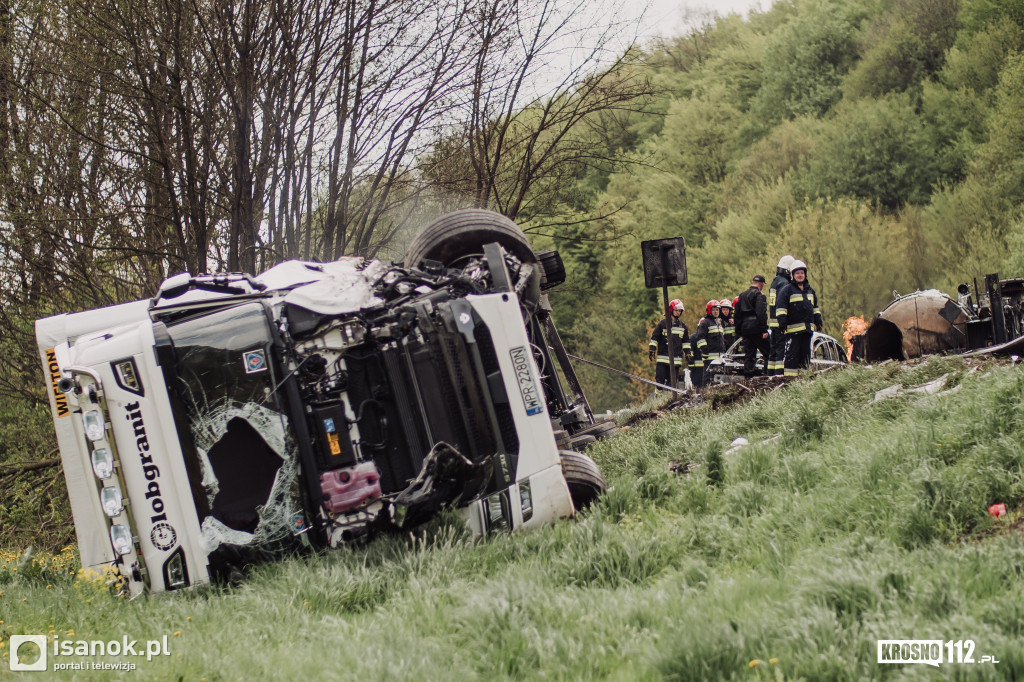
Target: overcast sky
x=665, y=17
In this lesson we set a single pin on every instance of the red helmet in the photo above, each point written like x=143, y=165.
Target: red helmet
x=711, y=304
x=674, y=303
x=735, y=302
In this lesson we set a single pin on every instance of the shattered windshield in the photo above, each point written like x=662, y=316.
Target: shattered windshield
x=245, y=454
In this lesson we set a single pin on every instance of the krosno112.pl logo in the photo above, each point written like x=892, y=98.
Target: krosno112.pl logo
x=929, y=651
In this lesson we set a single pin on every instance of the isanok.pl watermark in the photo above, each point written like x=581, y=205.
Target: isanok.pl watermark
x=31, y=652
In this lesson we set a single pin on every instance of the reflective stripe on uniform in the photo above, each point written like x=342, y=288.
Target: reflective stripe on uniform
x=773, y=324
x=678, y=331
x=794, y=298
x=663, y=360
x=702, y=343
x=791, y=372
x=713, y=356
x=653, y=344
x=817, y=311
x=798, y=327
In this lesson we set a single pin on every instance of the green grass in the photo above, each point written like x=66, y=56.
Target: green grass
x=859, y=522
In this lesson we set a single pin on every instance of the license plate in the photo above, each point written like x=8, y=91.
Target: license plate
x=527, y=383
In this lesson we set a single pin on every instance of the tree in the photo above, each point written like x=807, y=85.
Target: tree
x=520, y=146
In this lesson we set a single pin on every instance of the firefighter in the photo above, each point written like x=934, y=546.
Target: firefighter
x=658, y=347
x=707, y=341
x=799, y=316
x=728, y=325
x=778, y=336
x=752, y=323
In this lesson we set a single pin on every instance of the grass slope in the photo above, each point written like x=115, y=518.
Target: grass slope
x=786, y=559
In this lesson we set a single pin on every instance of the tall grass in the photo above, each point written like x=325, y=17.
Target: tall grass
x=842, y=523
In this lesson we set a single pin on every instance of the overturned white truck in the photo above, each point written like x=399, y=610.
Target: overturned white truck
x=234, y=419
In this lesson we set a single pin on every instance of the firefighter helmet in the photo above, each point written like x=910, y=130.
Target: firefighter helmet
x=725, y=303
x=678, y=305
x=711, y=304
x=735, y=302
x=786, y=262
x=675, y=302
x=798, y=265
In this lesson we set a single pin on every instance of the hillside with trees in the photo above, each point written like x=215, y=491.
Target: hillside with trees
x=881, y=142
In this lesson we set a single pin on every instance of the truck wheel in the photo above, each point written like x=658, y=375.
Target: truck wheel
x=464, y=233
x=583, y=440
x=605, y=428
x=583, y=477
x=554, y=269
x=562, y=440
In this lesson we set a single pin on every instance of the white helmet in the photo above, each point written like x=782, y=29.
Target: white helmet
x=725, y=303
x=786, y=262
x=798, y=265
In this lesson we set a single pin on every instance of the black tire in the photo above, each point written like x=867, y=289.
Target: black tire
x=464, y=233
x=562, y=440
x=606, y=428
x=554, y=269
x=585, y=481
x=582, y=441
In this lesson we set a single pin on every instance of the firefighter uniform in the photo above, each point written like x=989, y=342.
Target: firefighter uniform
x=680, y=346
x=728, y=326
x=798, y=316
x=707, y=344
x=777, y=349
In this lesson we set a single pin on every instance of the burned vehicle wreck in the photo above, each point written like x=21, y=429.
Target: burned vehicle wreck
x=927, y=322
x=234, y=419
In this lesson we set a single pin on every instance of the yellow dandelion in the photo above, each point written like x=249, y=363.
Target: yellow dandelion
x=189, y=619
x=754, y=663
x=49, y=586
x=25, y=599
x=773, y=661
x=177, y=632
x=71, y=633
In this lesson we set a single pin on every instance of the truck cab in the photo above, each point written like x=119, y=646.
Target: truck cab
x=234, y=419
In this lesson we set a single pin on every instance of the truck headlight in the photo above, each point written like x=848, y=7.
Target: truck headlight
x=111, y=500
x=121, y=538
x=92, y=420
x=102, y=463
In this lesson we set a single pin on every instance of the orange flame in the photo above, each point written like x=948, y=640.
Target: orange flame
x=853, y=326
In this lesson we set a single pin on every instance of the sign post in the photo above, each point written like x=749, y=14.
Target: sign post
x=665, y=266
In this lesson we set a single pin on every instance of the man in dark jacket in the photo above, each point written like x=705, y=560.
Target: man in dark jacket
x=658, y=347
x=778, y=336
x=799, y=315
x=752, y=324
